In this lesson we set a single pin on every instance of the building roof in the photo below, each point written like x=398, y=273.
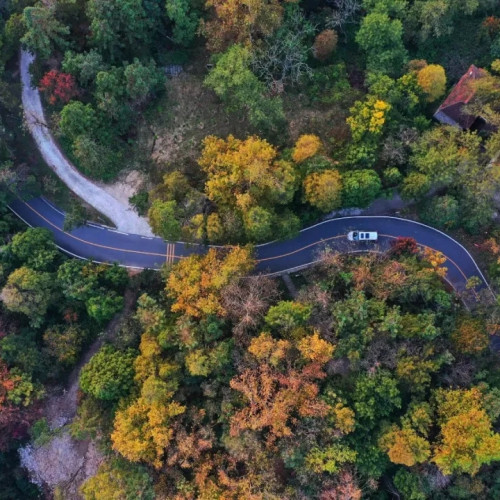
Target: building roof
x=451, y=110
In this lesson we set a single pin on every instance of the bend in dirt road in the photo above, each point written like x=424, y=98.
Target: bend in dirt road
x=122, y=215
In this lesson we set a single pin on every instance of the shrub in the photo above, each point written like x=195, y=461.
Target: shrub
x=442, y=212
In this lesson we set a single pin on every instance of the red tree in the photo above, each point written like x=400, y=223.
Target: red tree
x=492, y=25
x=59, y=87
x=14, y=421
x=404, y=245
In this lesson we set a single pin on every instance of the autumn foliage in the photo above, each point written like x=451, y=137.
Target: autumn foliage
x=274, y=395
x=59, y=87
x=323, y=190
x=196, y=283
x=470, y=336
x=235, y=21
x=306, y=146
x=432, y=79
x=324, y=44
x=492, y=25
x=403, y=245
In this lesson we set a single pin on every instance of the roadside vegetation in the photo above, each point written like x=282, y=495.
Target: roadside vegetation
x=329, y=102
x=372, y=379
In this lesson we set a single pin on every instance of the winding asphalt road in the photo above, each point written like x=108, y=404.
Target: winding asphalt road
x=133, y=245
x=103, y=244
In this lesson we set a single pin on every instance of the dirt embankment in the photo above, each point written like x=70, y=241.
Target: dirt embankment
x=65, y=462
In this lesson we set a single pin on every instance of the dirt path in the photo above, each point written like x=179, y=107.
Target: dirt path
x=122, y=215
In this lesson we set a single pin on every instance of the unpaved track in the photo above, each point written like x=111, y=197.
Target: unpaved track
x=122, y=215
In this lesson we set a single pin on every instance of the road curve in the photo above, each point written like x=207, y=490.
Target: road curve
x=103, y=244
x=123, y=216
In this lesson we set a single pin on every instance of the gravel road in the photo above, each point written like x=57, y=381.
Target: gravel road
x=122, y=215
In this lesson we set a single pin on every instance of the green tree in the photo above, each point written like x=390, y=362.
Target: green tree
x=443, y=152
x=287, y=316
x=415, y=186
x=13, y=31
x=20, y=350
x=35, y=248
x=258, y=224
x=164, y=219
x=360, y=188
x=84, y=66
x=233, y=81
x=29, y=292
x=64, y=342
x=111, y=96
x=381, y=38
x=78, y=119
x=97, y=160
x=442, y=212
x=203, y=362
x=329, y=459
x=394, y=8
x=120, y=27
x=410, y=485
x=43, y=31
x=119, y=479
x=77, y=279
x=109, y=375
x=185, y=19
x=375, y=396
x=103, y=305
x=435, y=18
x=142, y=81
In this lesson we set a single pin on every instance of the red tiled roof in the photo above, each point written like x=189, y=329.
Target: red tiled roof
x=460, y=95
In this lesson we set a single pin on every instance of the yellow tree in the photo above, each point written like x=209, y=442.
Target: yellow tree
x=240, y=21
x=274, y=389
x=436, y=259
x=272, y=397
x=405, y=446
x=470, y=336
x=467, y=442
x=196, y=282
x=244, y=174
x=368, y=118
x=467, y=439
x=432, y=80
x=323, y=190
x=315, y=349
x=143, y=430
x=306, y=146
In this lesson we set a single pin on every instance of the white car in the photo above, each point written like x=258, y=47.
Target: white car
x=362, y=236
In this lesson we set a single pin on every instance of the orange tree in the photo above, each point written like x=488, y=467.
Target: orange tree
x=196, y=282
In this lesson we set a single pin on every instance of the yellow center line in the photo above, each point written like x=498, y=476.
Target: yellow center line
x=170, y=257
x=344, y=236
x=90, y=242
x=303, y=248
x=170, y=252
